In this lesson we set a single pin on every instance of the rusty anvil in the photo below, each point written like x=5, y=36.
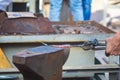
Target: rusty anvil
x=41, y=63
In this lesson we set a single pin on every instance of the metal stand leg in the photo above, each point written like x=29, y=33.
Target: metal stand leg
x=119, y=70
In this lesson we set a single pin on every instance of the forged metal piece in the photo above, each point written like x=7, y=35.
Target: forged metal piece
x=26, y=26
x=41, y=63
x=87, y=45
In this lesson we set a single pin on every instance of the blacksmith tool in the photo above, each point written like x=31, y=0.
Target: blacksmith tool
x=41, y=63
x=87, y=45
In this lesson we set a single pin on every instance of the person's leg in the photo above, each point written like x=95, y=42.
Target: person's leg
x=87, y=9
x=55, y=9
x=4, y=4
x=77, y=10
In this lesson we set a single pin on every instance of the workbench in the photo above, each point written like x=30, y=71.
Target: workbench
x=80, y=63
x=14, y=44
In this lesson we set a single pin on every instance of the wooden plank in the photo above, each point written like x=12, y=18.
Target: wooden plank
x=19, y=14
x=4, y=63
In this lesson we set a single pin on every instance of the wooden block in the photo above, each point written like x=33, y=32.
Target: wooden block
x=4, y=63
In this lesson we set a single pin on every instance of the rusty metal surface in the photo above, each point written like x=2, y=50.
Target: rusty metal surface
x=80, y=27
x=26, y=26
x=3, y=16
x=41, y=63
x=78, y=33
x=41, y=25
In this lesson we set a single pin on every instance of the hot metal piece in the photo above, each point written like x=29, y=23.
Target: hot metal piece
x=41, y=63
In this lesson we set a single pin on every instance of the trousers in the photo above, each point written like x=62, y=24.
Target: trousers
x=75, y=7
x=87, y=9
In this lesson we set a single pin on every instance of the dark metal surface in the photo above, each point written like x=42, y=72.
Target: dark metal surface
x=26, y=26
x=3, y=16
x=41, y=63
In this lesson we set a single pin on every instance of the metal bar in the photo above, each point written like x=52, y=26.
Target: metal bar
x=91, y=67
x=97, y=68
x=53, y=38
x=119, y=70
